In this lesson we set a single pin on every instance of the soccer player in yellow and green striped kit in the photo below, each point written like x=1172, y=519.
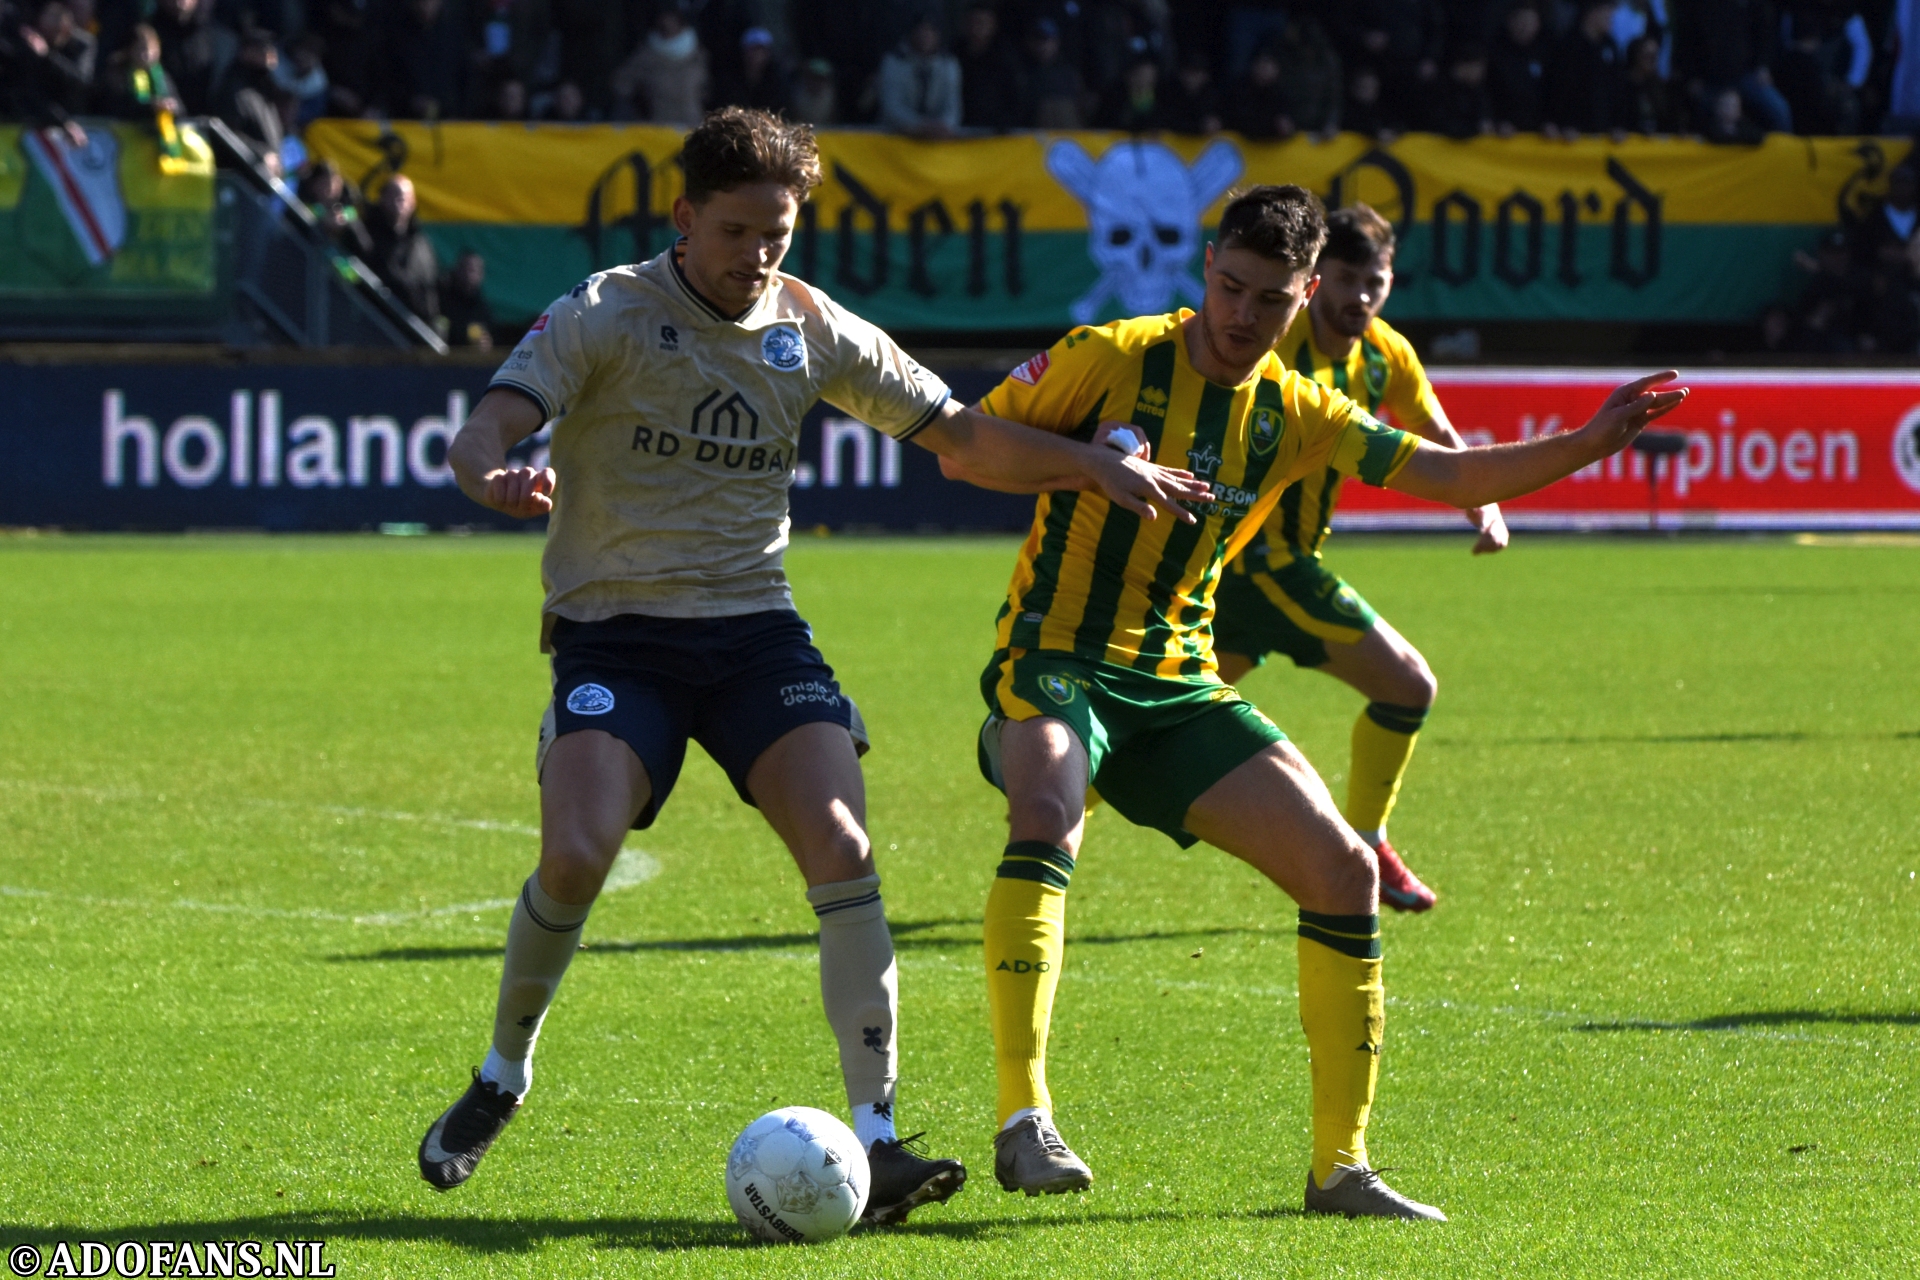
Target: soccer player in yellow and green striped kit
x=1278, y=596
x=1105, y=675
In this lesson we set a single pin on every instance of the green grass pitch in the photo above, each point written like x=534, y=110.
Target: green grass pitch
x=263, y=804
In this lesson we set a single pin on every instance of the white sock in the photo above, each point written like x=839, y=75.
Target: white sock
x=1372, y=838
x=1020, y=1115
x=873, y=1121
x=515, y=1077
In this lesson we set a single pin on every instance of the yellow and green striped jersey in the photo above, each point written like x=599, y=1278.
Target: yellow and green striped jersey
x=1100, y=582
x=1382, y=373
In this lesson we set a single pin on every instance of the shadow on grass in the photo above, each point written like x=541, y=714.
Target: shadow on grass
x=523, y=1235
x=1767, y=1018
x=903, y=940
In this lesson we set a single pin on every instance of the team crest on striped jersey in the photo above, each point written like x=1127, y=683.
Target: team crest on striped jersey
x=1030, y=372
x=1263, y=430
x=1058, y=688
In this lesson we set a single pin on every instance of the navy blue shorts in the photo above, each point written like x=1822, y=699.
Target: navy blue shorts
x=734, y=685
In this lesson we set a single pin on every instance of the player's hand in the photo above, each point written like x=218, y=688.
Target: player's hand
x=1493, y=529
x=521, y=492
x=1125, y=430
x=1140, y=486
x=1626, y=412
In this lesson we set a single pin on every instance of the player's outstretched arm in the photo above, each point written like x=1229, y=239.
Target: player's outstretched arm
x=1494, y=473
x=478, y=457
x=1492, y=526
x=1014, y=458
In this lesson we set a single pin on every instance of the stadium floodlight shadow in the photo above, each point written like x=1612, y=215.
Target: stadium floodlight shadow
x=903, y=940
x=1763, y=1018
x=481, y=1235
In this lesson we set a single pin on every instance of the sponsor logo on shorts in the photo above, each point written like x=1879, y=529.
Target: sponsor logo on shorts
x=590, y=700
x=783, y=348
x=794, y=695
x=1059, y=688
x=1031, y=371
x=1263, y=430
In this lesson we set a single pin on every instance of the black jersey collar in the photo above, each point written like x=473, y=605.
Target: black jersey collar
x=697, y=298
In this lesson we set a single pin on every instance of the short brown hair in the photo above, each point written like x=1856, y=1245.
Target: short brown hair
x=735, y=146
x=1282, y=223
x=1357, y=235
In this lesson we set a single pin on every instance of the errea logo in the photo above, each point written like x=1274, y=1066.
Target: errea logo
x=1152, y=400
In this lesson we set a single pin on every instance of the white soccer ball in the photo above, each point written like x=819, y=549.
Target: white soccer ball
x=797, y=1176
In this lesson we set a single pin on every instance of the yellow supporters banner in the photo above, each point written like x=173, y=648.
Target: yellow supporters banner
x=1035, y=230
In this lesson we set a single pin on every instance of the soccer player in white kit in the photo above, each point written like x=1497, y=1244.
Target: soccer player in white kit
x=676, y=388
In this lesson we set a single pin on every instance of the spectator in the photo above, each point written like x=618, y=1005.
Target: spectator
x=1893, y=305
x=194, y=49
x=592, y=35
x=1825, y=56
x=1309, y=74
x=1366, y=109
x=759, y=81
x=469, y=318
x=422, y=72
x=1460, y=106
x=1881, y=237
x=1399, y=38
x=1192, y=99
x=1054, y=91
x=989, y=73
x=815, y=96
x=1651, y=106
x=1727, y=121
x=302, y=79
x=1259, y=106
x=1586, y=92
x=1517, y=72
x=509, y=100
x=1134, y=106
x=348, y=27
x=137, y=85
x=666, y=77
x=249, y=98
x=323, y=189
x=402, y=255
x=1826, y=319
x=920, y=85
x=508, y=40
x=565, y=105
x=55, y=71
x=1730, y=44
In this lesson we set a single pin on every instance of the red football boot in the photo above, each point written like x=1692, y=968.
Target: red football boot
x=1399, y=887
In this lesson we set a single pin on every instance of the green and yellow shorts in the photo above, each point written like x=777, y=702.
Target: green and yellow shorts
x=1153, y=745
x=1296, y=609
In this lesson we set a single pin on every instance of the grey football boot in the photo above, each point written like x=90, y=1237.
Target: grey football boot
x=1029, y=1156
x=1359, y=1192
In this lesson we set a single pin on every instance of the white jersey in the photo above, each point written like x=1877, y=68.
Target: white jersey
x=675, y=429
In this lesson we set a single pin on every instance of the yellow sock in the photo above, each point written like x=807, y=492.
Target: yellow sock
x=1383, y=739
x=1343, y=1010
x=1026, y=939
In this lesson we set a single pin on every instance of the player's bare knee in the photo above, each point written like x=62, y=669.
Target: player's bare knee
x=1051, y=818
x=572, y=870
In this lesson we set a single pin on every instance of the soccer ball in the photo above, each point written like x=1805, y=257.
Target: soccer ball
x=797, y=1176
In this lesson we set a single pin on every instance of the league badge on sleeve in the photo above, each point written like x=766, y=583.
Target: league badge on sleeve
x=783, y=348
x=1030, y=372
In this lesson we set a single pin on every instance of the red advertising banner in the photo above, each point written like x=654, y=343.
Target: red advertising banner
x=1765, y=449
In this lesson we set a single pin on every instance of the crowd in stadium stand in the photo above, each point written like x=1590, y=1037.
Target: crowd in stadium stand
x=1728, y=71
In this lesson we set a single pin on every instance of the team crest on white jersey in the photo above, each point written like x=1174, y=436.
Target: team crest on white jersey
x=782, y=348
x=590, y=700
